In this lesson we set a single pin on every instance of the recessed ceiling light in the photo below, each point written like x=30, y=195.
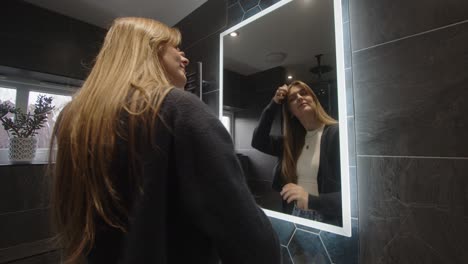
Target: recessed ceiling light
x=290, y=77
x=234, y=34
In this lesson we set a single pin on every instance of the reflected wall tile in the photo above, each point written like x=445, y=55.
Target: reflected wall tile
x=342, y=250
x=410, y=96
x=24, y=227
x=307, y=248
x=375, y=22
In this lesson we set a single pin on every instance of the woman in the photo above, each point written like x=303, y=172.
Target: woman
x=144, y=173
x=308, y=171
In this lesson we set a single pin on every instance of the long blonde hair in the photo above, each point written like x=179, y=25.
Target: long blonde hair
x=128, y=82
x=294, y=133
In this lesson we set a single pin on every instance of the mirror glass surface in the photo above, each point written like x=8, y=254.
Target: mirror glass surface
x=291, y=41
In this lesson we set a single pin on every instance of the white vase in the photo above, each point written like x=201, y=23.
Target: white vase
x=22, y=150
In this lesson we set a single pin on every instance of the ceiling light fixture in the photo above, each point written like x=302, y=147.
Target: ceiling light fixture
x=275, y=57
x=234, y=34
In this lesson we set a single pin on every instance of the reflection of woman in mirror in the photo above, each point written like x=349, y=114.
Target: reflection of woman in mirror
x=308, y=172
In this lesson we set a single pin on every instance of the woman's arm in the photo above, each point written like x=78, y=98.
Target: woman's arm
x=261, y=139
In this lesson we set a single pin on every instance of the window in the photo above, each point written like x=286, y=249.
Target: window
x=21, y=91
x=59, y=101
x=6, y=95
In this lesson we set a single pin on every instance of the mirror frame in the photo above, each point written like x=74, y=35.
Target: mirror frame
x=344, y=230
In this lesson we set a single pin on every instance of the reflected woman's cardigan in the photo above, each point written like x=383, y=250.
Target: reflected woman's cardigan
x=329, y=181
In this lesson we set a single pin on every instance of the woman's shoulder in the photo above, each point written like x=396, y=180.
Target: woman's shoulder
x=332, y=127
x=331, y=130
x=182, y=106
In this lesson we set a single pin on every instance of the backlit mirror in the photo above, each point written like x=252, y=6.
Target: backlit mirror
x=295, y=154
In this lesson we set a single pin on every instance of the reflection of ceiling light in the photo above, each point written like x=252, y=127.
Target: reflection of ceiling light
x=290, y=77
x=234, y=34
x=275, y=57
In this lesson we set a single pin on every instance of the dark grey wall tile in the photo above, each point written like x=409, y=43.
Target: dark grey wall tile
x=53, y=257
x=252, y=12
x=353, y=191
x=284, y=230
x=349, y=92
x=267, y=3
x=308, y=228
x=248, y=4
x=234, y=15
x=25, y=250
x=418, y=203
x=286, y=258
x=206, y=51
x=306, y=248
x=342, y=250
x=23, y=188
x=374, y=22
x=231, y=2
x=24, y=227
x=347, y=45
x=351, y=141
x=39, y=40
x=345, y=10
x=409, y=249
x=206, y=20
x=440, y=183
x=410, y=96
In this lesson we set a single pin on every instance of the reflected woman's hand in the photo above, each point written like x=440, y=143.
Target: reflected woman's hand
x=280, y=94
x=293, y=192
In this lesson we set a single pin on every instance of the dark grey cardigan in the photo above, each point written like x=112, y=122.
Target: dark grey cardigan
x=329, y=180
x=196, y=206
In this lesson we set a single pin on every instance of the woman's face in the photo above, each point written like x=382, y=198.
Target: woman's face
x=174, y=62
x=300, y=101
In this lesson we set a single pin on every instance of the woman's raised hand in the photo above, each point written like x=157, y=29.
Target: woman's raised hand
x=280, y=94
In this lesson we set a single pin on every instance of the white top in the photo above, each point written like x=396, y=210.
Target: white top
x=308, y=162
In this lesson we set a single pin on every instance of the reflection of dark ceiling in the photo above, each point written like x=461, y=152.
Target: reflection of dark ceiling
x=300, y=29
x=101, y=13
